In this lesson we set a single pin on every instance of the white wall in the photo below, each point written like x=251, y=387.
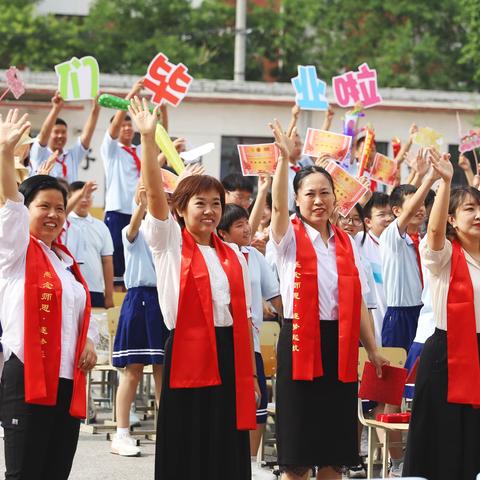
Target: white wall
x=65, y=7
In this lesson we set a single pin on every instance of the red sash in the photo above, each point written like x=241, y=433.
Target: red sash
x=306, y=345
x=462, y=345
x=194, y=353
x=133, y=152
x=43, y=327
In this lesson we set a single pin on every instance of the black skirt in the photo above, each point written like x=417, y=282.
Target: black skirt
x=196, y=429
x=316, y=421
x=444, y=438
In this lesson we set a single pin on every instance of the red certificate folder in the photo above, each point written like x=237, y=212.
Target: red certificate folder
x=388, y=389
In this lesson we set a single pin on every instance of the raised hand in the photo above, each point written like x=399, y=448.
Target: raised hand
x=413, y=131
x=141, y=195
x=264, y=182
x=464, y=163
x=12, y=129
x=192, y=169
x=323, y=160
x=145, y=121
x=57, y=100
x=136, y=89
x=89, y=188
x=442, y=166
x=47, y=166
x=285, y=143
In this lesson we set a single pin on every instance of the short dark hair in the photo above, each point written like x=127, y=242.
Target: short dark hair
x=377, y=200
x=231, y=213
x=457, y=197
x=30, y=187
x=361, y=214
x=236, y=181
x=397, y=197
x=60, y=121
x=430, y=198
x=126, y=119
x=193, y=185
x=78, y=185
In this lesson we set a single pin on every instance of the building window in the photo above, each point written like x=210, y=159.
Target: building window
x=230, y=162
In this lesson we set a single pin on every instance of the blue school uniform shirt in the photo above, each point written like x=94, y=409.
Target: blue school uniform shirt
x=121, y=175
x=71, y=156
x=264, y=286
x=401, y=275
x=139, y=269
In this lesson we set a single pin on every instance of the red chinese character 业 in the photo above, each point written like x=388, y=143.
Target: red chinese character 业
x=168, y=82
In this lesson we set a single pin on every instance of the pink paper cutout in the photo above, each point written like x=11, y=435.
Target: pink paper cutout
x=15, y=82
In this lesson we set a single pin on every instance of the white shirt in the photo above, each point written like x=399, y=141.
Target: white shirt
x=14, y=240
x=264, y=285
x=401, y=276
x=94, y=242
x=121, y=175
x=165, y=240
x=139, y=268
x=326, y=267
x=72, y=158
x=439, y=265
x=426, y=320
x=370, y=252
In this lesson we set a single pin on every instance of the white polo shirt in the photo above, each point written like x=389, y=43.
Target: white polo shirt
x=264, y=286
x=327, y=277
x=401, y=275
x=121, y=175
x=71, y=156
x=139, y=268
x=94, y=242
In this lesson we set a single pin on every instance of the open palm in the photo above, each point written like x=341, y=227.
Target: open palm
x=145, y=120
x=12, y=128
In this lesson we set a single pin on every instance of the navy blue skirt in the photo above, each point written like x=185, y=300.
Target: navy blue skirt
x=141, y=331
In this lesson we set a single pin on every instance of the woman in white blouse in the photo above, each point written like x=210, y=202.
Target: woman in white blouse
x=444, y=435
x=209, y=386
x=321, y=283
x=45, y=314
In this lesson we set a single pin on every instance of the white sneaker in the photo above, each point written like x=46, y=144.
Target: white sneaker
x=124, y=446
x=396, y=472
x=259, y=473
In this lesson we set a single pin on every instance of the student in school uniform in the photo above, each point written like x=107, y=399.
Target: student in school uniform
x=444, y=434
x=209, y=382
x=321, y=283
x=48, y=340
x=53, y=137
x=234, y=228
x=378, y=215
x=141, y=332
x=121, y=161
x=94, y=247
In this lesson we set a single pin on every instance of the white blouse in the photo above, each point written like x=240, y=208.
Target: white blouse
x=165, y=240
x=14, y=240
x=285, y=257
x=439, y=265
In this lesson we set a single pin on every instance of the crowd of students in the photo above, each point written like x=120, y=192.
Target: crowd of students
x=203, y=267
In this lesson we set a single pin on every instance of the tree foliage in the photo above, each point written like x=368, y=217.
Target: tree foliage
x=412, y=44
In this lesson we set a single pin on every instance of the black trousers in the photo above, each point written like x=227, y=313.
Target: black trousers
x=40, y=441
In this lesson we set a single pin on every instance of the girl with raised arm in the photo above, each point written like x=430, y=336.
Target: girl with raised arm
x=45, y=314
x=209, y=384
x=444, y=434
x=321, y=284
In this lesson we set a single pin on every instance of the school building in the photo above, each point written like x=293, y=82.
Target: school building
x=229, y=113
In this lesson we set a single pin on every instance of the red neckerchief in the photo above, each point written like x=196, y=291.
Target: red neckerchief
x=306, y=345
x=462, y=346
x=62, y=162
x=133, y=152
x=296, y=168
x=416, y=244
x=43, y=331
x=194, y=354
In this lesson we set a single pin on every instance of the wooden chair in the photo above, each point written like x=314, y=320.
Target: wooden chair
x=397, y=357
x=118, y=298
x=98, y=212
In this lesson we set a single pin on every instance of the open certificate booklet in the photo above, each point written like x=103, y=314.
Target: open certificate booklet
x=258, y=159
x=348, y=189
x=384, y=170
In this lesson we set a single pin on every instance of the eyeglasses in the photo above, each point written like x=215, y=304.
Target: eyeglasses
x=357, y=222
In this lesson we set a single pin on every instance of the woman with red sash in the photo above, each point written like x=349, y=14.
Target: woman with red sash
x=325, y=318
x=45, y=314
x=209, y=386
x=444, y=435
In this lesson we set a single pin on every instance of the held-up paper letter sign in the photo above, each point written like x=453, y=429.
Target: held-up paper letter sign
x=309, y=89
x=15, y=82
x=78, y=79
x=169, y=83
x=353, y=87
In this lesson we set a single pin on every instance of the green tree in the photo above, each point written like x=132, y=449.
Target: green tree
x=469, y=17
